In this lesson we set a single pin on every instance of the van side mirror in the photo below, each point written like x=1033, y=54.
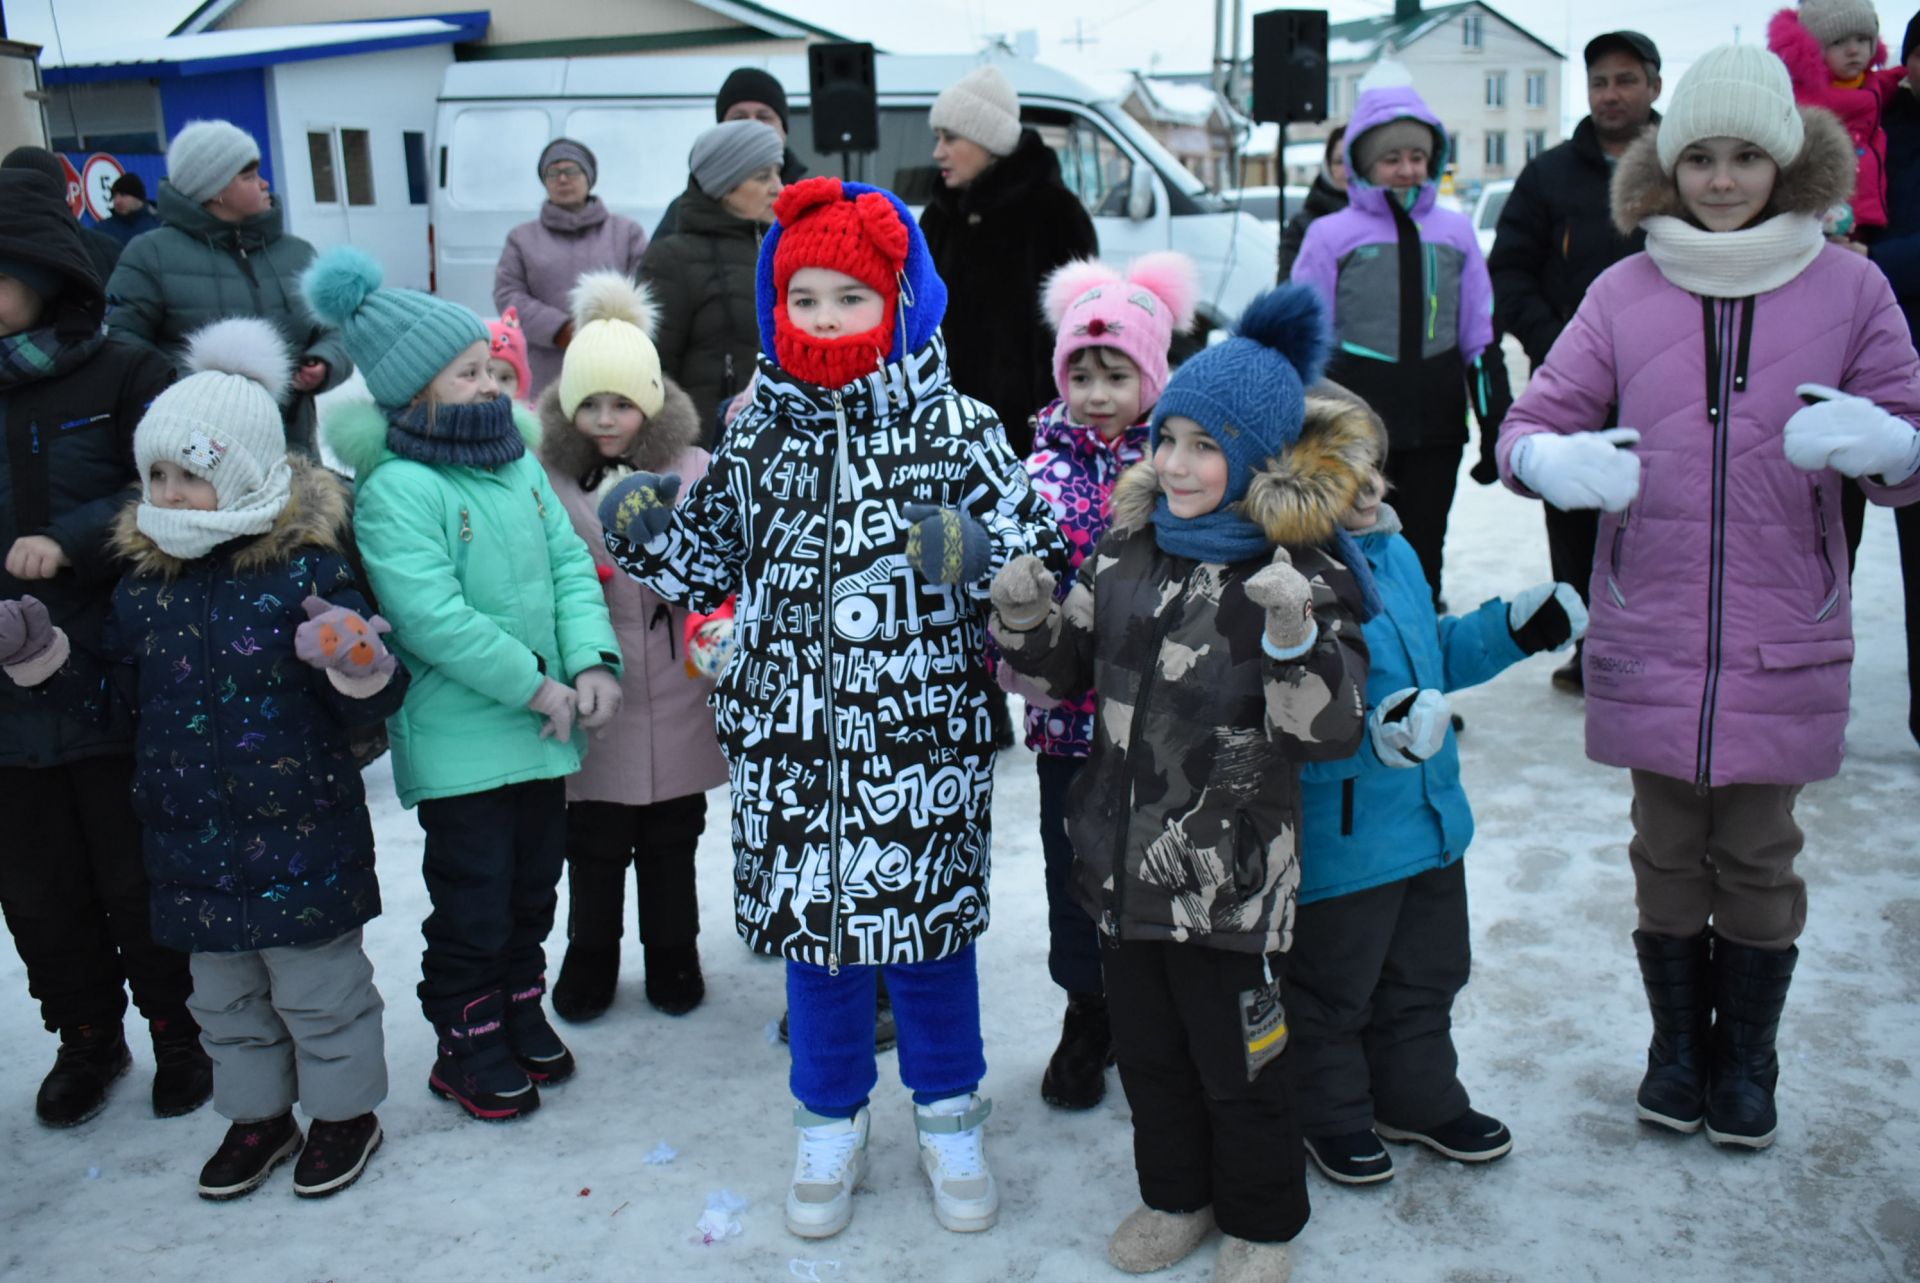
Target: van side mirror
x=1140, y=194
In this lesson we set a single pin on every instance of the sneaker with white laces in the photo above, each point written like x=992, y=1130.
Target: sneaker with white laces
x=831, y=1162
x=955, y=1161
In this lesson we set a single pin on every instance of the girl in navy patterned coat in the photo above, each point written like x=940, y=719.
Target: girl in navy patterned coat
x=242, y=639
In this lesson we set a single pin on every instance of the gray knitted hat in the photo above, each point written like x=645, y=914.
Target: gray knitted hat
x=723, y=156
x=206, y=156
x=1831, y=20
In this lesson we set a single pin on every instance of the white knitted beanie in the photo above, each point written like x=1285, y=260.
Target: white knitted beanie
x=206, y=156
x=980, y=106
x=221, y=423
x=1733, y=91
x=1831, y=20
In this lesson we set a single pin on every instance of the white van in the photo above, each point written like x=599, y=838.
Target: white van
x=641, y=113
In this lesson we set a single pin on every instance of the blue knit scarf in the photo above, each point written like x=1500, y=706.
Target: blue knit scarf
x=1225, y=536
x=479, y=435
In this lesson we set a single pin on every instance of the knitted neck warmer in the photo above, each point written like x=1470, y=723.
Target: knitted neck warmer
x=1223, y=535
x=32, y=355
x=479, y=435
x=190, y=535
x=831, y=363
x=1753, y=260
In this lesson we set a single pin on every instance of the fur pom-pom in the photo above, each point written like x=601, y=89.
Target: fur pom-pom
x=339, y=282
x=243, y=345
x=1173, y=279
x=1291, y=321
x=611, y=296
x=1386, y=74
x=1068, y=282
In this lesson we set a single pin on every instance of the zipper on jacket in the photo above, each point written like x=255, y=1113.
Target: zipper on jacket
x=842, y=471
x=1346, y=808
x=834, y=836
x=1826, y=555
x=1162, y=626
x=540, y=505
x=1723, y=341
x=219, y=770
x=1432, y=282
x=466, y=541
x=1613, y=566
x=1412, y=274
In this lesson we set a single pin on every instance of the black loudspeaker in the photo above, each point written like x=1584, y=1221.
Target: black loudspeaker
x=846, y=115
x=1290, y=65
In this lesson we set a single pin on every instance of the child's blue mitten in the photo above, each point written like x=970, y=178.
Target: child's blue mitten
x=640, y=507
x=945, y=544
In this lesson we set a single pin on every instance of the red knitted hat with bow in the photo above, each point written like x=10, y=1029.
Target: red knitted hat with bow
x=863, y=238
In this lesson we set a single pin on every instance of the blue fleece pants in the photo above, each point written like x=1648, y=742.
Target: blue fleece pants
x=936, y=1007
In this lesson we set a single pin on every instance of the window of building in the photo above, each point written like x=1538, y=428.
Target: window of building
x=1470, y=35
x=1536, y=142
x=111, y=116
x=1536, y=89
x=1333, y=95
x=1496, y=89
x=326, y=188
x=356, y=158
x=1496, y=151
x=416, y=147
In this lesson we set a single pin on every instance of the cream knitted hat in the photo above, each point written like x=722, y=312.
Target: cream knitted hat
x=206, y=156
x=1733, y=91
x=980, y=106
x=612, y=348
x=1831, y=20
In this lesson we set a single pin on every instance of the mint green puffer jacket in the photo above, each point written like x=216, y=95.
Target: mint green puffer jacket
x=489, y=589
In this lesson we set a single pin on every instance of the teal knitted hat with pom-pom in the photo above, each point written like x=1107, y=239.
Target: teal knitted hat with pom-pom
x=1249, y=392
x=399, y=339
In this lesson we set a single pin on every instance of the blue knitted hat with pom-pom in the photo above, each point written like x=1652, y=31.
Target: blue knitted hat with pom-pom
x=1249, y=391
x=400, y=339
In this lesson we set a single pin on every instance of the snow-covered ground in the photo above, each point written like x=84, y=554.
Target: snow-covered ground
x=1552, y=1035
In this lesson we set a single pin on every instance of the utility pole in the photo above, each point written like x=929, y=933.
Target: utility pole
x=1079, y=39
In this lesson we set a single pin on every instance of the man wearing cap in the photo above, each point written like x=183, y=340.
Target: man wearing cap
x=1556, y=236
x=131, y=212
x=748, y=93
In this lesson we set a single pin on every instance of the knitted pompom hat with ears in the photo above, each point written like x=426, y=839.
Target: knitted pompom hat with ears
x=1733, y=91
x=1249, y=392
x=1091, y=305
x=508, y=342
x=399, y=339
x=612, y=348
x=222, y=424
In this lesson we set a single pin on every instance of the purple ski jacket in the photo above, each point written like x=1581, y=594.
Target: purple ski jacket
x=1721, y=639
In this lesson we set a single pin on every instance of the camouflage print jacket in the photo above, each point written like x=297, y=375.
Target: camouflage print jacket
x=1185, y=822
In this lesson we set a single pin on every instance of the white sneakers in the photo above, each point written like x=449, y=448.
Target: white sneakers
x=952, y=1155
x=831, y=1161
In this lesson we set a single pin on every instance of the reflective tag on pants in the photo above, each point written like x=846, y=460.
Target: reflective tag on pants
x=1263, y=1026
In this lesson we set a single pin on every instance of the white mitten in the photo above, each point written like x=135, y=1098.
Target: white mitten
x=1851, y=435
x=1409, y=726
x=1582, y=470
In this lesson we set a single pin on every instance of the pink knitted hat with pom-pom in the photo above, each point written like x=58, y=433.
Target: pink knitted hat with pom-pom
x=1091, y=305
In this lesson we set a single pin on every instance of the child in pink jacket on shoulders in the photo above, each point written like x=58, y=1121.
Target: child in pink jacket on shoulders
x=1833, y=52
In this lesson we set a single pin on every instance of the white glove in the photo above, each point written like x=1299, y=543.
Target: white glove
x=1409, y=726
x=1583, y=470
x=1851, y=435
x=597, y=695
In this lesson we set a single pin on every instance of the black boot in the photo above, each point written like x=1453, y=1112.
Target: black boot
x=588, y=978
x=1680, y=994
x=1571, y=676
x=247, y=1156
x=90, y=1058
x=476, y=1068
x=182, y=1072
x=674, y=982
x=1076, y=1076
x=1749, y=989
x=535, y=1045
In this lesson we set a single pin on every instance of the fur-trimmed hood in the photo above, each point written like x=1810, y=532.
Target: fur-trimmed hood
x=661, y=439
x=1298, y=497
x=319, y=514
x=356, y=432
x=1819, y=178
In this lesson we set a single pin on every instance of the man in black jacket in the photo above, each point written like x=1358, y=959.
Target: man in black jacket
x=1556, y=236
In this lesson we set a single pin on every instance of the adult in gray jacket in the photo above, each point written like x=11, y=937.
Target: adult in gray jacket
x=223, y=251
x=574, y=233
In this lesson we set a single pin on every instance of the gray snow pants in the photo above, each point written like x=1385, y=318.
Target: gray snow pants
x=294, y=1023
x=1724, y=857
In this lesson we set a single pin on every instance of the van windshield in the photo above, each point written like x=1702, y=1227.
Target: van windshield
x=1175, y=175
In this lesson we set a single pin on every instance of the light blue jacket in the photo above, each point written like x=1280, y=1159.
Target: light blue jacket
x=1364, y=823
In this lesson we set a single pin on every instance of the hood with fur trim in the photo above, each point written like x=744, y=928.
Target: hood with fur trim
x=1820, y=177
x=319, y=514
x=357, y=434
x=1297, y=497
x=661, y=439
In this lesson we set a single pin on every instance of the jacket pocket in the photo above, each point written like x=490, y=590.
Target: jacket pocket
x=1806, y=654
x=1346, y=808
x=1249, y=858
x=1617, y=557
x=1823, y=554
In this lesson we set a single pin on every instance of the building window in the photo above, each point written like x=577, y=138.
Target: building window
x=1496, y=151
x=110, y=116
x=1470, y=31
x=1536, y=142
x=356, y=158
x=1536, y=89
x=416, y=145
x=1333, y=95
x=326, y=189
x=1496, y=89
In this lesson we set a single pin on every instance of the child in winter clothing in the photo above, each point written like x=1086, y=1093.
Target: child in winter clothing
x=507, y=357
x=78, y=911
x=1109, y=363
x=497, y=607
x=1411, y=302
x=1723, y=489
x=859, y=508
x=1219, y=620
x=640, y=798
x=1380, y=941
x=250, y=654
x=1833, y=52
